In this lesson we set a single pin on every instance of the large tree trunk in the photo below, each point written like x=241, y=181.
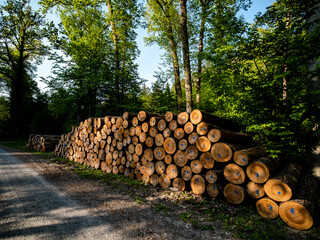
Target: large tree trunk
x=185, y=51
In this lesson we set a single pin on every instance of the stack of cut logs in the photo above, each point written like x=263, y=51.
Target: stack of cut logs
x=43, y=143
x=196, y=151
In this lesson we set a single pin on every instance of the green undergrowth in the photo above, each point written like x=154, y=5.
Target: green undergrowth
x=19, y=143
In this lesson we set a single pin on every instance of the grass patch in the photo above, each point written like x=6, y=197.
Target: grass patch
x=19, y=143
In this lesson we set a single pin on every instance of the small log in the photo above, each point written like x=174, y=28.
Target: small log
x=180, y=158
x=169, y=116
x=255, y=190
x=135, y=121
x=145, y=127
x=203, y=144
x=149, y=142
x=234, y=194
x=139, y=149
x=159, y=140
x=213, y=189
x=186, y=173
x=153, y=121
x=281, y=187
x=179, y=184
x=160, y=167
x=153, y=131
x=103, y=166
x=188, y=128
x=159, y=153
x=172, y=171
x=145, y=116
x=211, y=176
x=128, y=115
x=161, y=125
x=193, y=138
x=182, y=118
x=148, y=153
x=173, y=125
x=142, y=137
x=154, y=180
x=234, y=173
x=267, y=208
x=222, y=152
x=183, y=144
x=149, y=168
x=145, y=178
x=197, y=184
x=192, y=152
x=179, y=133
x=169, y=145
x=196, y=166
x=245, y=156
x=168, y=159
x=216, y=135
x=166, y=133
x=164, y=181
x=202, y=128
x=197, y=116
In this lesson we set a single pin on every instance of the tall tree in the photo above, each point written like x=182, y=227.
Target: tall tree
x=166, y=34
x=21, y=48
x=186, y=53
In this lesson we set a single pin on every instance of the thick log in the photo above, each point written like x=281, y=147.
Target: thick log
x=197, y=184
x=161, y=125
x=169, y=145
x=192, y=152
x=260, y=170
x=172, y=171
x=202, y=128
x=193, y=138
x=234, y=173
x=183, y=144
x=234, y=194
x=164, y=181
x=281, y=187
x=186, y=173
x=180, y=158
x=197, y=116
x=203, y=144
x=255, y=190
x=196, y=166
x=222, y=152
x=188, y=128
x=179, y=184
x=213, y=189
x=182, y=118
x=267, y=208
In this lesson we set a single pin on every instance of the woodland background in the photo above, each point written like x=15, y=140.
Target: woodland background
x=264, y=76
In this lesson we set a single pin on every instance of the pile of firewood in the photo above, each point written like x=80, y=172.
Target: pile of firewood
x=197, y=151
x=43, y=143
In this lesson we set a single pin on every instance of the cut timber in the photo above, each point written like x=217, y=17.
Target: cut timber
x=159, y=153
x=159, y=139
x=211, y=176
x=197, y=116
x=149, y=142
x=255, y=190
x=164, y=181
x=149, y=168
x=182, y=118
x=234, y=194
x=186, y=173
x=183, y=144
x=202, y=128
x=162, y=125
x=206, y=160
x=197, y=184
x=196, y=166
x=145, y=178
x=169, y=116
x=260, y=170
x=160, y=167
x=178, y=133
x=153, y=131
x=172, y=171
x=145, y=116
x=193, y=138
x=213, y=190
x=296, y=215
x=188, y=128
x=173, y=125
x=245, y=156
x=192, y=152
x=280, y=188
x=168, y=159
x=234, y=173
x=180, y=158
x=267, y=208
x=179, y=184
x=169, y=145
x=222, y=152
x=148, y=153
x=301, y=211
x=145, y=127
x=166, y=133
x=203, y=144
x=154, y=180
x=220, y=135
x=128, y=115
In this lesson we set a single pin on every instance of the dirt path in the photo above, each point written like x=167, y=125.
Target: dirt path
x=39, y=200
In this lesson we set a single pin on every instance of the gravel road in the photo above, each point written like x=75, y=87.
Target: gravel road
x=33, y=208
x=42, y=199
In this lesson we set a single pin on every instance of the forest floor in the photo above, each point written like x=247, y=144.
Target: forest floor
x=42, y=196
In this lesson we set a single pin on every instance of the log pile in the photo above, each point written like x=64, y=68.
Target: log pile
x=198, y=152
x=42, y=143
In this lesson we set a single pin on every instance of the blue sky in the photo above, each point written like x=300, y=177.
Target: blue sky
x=150, y=56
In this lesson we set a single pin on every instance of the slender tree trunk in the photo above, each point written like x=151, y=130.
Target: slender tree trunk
x=116, y=49
x=201, y=37
x=186, y=57
x=285, y=66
